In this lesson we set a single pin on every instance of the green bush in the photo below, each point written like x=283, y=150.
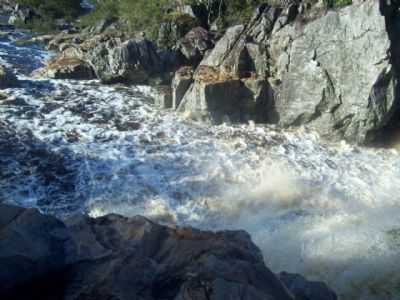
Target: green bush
x=54, y=8
x=337, y=3
x=145, y=15
x=106, y=9
x=140, y=15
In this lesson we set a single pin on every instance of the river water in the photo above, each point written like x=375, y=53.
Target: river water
x=328, y=211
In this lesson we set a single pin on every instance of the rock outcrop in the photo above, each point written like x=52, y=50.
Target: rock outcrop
x=180, y=84
x=7, y=78
x=66, y=68
x=333, y=71
x=21, y=15
x=175, y=28
x=335, y=75
x=132, y=61
x=114, y=257
x=230, y=83
x=195, y=44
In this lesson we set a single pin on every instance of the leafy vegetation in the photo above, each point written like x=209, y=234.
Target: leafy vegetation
x=337, y=3
x=47, y=11
x=147, y=15
x=54, y=8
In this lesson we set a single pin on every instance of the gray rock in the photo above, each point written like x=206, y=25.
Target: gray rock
x=223, y=47
x=242, y=50
x=21, y=15
x=114, y=257
x=138, y=259
x=174, y=29
x=7, y=78
x=180, y=84
x=303, y=289
x=217, y=98
x=195, y=44
x=133, y=61
x=334, y=74
x=66, y=68
x=230, y=83
x=198, y=11
x=32, y=247
x=162, y=96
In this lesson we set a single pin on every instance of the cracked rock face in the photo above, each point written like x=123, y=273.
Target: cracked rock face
x=334, y=74
x=133, y=61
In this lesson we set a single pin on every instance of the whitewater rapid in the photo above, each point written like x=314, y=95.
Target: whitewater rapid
x=328, y=211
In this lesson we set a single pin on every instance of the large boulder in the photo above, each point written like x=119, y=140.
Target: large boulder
x=302, y=289
x=335, y=74
x=219, y=97
x=242, y=51
x=7, y=78
x=230, y=83
x=120, y=258
x=180, y=84
x=195, y=44
x=66, y=68
x=174, y=28
x=133, y=61
x=21, y=15
x=138, y=259
x=33, y=247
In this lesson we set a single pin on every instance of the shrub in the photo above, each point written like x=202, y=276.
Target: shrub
x=54, y=8
x=104, y=10
x=337, y=3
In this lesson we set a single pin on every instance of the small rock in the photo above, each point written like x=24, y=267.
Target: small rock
x=7, y=78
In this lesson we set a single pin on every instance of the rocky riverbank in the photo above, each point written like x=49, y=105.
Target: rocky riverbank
x=120, y=258
x=291, y=66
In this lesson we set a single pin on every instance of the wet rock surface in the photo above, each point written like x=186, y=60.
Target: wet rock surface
x=124, y=258
x=7, y=78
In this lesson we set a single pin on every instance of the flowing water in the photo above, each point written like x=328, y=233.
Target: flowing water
x=328, y=211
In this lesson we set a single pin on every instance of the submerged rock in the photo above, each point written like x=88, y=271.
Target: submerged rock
x=7, y=78
x=114, y=257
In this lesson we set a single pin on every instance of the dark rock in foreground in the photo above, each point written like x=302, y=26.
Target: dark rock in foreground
x=114, y=257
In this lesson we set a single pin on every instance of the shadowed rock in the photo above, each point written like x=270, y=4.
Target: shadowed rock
x=114, y=257
x=7, y=78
